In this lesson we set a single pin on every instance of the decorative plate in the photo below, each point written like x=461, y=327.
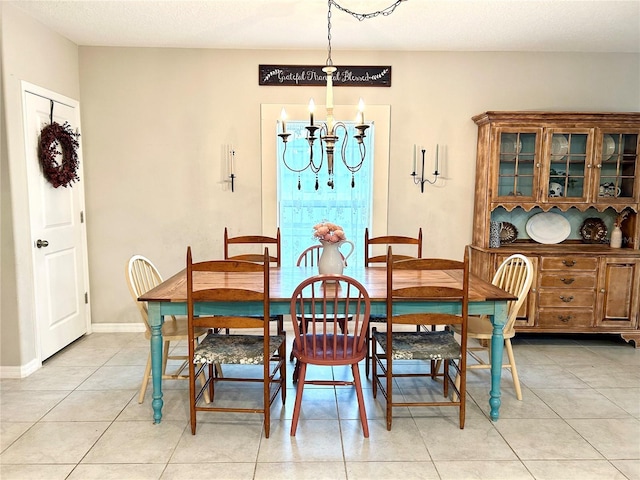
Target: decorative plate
x=549, y=228
x=508, y=234
x=593, y=230
x=608, y=147
x=559, y=147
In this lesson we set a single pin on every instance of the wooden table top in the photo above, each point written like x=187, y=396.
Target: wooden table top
x=284, y=280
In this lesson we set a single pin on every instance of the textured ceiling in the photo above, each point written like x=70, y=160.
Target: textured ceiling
x=428, y=25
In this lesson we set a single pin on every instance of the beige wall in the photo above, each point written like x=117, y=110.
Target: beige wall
x=32, y=53
x=154, y=121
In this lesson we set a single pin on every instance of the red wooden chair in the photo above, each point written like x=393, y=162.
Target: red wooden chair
x=322, y=303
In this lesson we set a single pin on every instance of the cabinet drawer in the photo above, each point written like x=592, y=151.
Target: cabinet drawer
x=568, y=280
x=565, y=317
x=569, y=262
x=566, y=298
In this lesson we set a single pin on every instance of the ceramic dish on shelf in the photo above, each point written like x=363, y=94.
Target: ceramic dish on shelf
x=593, y=230
x=510, y=146
x=508, y=233
x=559, y=147
x=549, y=228
x=608, y=147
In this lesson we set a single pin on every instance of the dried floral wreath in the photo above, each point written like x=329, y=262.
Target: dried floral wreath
x=52, y=137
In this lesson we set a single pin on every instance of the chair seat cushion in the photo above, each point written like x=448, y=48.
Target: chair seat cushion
x=378, y=318
x=319, y=354
x=421, y=345
x=235, y=349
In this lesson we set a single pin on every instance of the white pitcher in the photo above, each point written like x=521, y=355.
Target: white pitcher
x=331, y=259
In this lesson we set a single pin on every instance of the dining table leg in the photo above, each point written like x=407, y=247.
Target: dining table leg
x=497, y=347
x=155, y=322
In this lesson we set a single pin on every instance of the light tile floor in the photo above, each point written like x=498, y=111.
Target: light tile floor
x=78, y=418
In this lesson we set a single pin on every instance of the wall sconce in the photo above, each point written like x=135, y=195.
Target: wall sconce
x=230, y=159
x=421, y=180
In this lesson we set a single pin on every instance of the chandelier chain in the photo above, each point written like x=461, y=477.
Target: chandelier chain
x=360, y=16
x=363, y=16
x=329, y=61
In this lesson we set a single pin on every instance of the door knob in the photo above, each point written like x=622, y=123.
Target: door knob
x=42, y=243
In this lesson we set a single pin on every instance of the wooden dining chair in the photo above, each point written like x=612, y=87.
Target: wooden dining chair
x=514, y=275
x=252, y=246
x=142, y=275
x=322, y=302
x=388, y=240
x=397, y=345
x=310, y=256
x=370, y=259
x=242, y=346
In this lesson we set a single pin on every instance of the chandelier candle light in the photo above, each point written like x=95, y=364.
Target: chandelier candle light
x=328, y=131
x=421, y=180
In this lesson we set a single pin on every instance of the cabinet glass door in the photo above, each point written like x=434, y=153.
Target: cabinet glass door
x=617, y=166
x=568, y=166
x=517, y=166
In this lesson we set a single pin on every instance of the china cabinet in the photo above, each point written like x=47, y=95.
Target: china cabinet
x=557, y=184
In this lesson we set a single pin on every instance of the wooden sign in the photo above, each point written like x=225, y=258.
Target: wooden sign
x=308, y=75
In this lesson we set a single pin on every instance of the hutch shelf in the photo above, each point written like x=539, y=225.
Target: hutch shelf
x=584, y=167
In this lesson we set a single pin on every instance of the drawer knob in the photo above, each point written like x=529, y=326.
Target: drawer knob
x=567, y=281
x=566, y=299
x=568, y=263
x=564, y=318
x=602, y=290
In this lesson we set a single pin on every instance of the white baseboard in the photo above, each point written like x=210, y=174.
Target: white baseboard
x=20, y=372
x=118, y=327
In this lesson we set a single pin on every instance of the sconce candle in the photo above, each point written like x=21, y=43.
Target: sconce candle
x=361, y=110
x=421, y=179
x=230, y=157
x=415, y=150
x=283, y=117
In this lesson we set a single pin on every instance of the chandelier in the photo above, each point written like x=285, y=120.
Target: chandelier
x=328, y=132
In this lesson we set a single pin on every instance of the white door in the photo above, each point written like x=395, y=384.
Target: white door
x=57, y=232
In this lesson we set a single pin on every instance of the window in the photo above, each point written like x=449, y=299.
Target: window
x=380, y=117
x=301, y=208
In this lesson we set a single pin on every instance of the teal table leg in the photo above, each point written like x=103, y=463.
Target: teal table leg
x=155, y=321
x=497, y=348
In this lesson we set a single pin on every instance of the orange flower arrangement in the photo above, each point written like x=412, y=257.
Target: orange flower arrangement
x=329, y=232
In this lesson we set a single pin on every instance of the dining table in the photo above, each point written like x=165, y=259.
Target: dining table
x=170, y=298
